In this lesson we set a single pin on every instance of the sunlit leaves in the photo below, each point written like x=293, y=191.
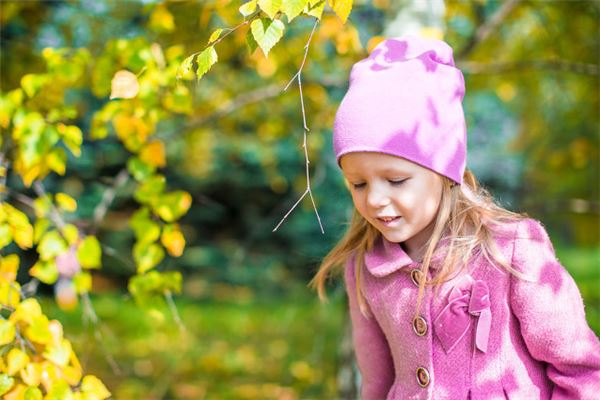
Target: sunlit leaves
x=173, y=240
x=154, y=283
x=270, y=7
x=172, y=206
x=45, y=271
x=161, y=20
x=7, y=332
x=6, y=382
x=205, y=60
x=153, y=153
x=65, y=202
x=89, y=252
x=248, y=8
x=9, y=265
x=10, y=293
x=147, y=256
x=16, y=360
x=51, y=244
x=215, y=35
x=342, y=8
x=32, y=83
x=315, y=8
x=124, y=85
x=93, y=388
x=267, y=33
x=292, y=8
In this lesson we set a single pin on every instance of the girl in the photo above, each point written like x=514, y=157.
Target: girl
x=450, y=295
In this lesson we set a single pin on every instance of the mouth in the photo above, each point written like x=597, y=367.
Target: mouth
x=388, y=220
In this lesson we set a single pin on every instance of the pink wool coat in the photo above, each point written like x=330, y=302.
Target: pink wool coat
x=486, y=335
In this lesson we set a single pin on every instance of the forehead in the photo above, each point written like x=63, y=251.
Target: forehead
x=359, y=162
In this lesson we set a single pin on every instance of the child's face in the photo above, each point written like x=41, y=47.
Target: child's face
x=398, y=197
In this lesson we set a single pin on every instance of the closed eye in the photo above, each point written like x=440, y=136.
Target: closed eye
x=397, y=182
x=358, y=185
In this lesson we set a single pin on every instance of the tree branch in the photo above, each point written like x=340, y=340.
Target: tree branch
x=305, y=133
x=487, y=28
x=471, y=67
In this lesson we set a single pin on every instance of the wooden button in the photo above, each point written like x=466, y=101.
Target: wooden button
x=422, y=377
x=415, y=275
x=420, y=326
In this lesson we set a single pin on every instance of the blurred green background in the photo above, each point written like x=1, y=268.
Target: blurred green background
x=250, y=329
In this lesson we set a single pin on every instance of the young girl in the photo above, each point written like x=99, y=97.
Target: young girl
x=450, y=295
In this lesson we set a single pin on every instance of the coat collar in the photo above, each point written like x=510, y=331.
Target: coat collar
x=386, y=257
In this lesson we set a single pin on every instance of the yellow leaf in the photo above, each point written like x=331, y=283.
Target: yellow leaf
x=248, y=8
x=10, y=293
x=270, y=7
x=93, y=385
x=17, y=359
x=161, y=20
x=9, y=266
x=215, y=35
x=124, y=85
x=7, y=332
x=45, y=271
x=58, y=353
x=57, y=160
x=32, y=393
x=66, y=202
x=89, y=252
x=16, y=393
x=27, y=311
x=173, y=241
x=342, y=8
x=5, y=235
x=51, y=244
x=39, y=330
x=83, y=282
x=31, y=374
x=71, y=234
x=153, y=153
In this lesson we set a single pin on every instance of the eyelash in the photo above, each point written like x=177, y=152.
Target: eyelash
x=392, y=182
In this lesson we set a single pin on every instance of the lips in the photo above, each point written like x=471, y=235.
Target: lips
x=388, y=220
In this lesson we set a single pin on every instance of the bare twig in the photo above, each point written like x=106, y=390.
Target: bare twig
x=242, y=100
x=173, y=308
x=471, y=67
x=107, y=198
x=305, y=132
x=488, y=27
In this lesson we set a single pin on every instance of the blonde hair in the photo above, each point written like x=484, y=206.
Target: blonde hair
x=465, y=222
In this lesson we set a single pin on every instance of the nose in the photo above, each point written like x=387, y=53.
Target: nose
x=377, y=197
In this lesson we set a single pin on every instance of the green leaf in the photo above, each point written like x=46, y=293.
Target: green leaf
x=32, y=83
x=60, y=390
x=205, y=61
x=267, y=33
x=147, y=256
x=315, y=8
x=45, y=271
x=251, y=42
x=72, y=137
x=7, y=333
x=173, y=205
x=342, y=8
x=33, y=393
x=292, y=8
x=150, y=189
x=186, y=67
x=139, y=169
x=6, y=383
x=89, y=252
x=82, y=282
x=215, y=35
x=270, y=7
x=248, y=8
x=51, y=245
x=5, y=235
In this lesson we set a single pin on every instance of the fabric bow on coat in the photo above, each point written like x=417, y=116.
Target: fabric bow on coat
x=469, y=300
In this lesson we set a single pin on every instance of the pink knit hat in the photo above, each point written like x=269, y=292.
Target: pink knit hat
x=405, y=99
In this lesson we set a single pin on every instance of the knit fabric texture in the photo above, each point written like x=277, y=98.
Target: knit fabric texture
x=538, y=343
x=405, y=99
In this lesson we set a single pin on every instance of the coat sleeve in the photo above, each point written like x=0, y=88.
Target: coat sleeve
x=552, y=317
x=371, y=348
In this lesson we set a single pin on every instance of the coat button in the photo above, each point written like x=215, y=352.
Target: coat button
x=415, y=275
x=422, y=377
x=420, y=326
